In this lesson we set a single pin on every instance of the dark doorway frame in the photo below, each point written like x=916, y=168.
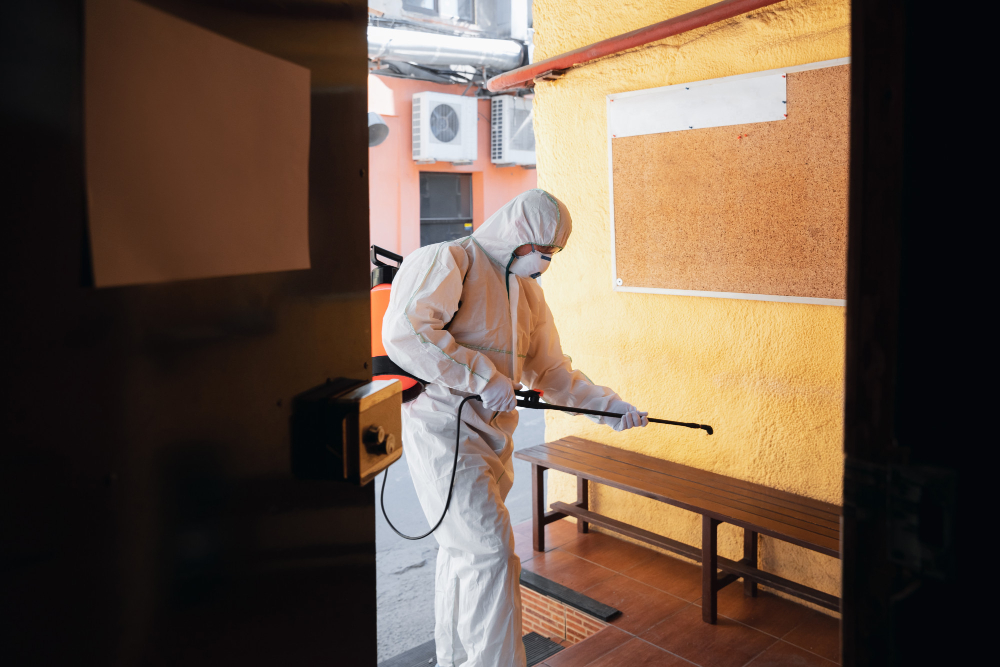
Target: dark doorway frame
x=912, y=370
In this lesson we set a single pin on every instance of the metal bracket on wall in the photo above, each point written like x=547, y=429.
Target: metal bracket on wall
x=551, y=75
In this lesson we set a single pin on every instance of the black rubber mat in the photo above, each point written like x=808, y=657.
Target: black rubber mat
x=537, y=648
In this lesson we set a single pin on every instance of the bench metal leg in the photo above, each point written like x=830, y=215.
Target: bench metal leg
x=581, y=502
x=750, y=558
x=709, y=569
x=538, y=506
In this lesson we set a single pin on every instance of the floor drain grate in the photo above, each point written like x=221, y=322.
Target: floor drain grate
x=537, y=648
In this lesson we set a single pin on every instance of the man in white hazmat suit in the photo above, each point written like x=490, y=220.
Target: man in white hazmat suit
x=467, y=317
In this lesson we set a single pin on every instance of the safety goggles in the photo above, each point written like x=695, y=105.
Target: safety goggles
x=545, y=249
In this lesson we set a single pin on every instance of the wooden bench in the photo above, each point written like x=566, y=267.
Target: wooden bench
x=757, y=509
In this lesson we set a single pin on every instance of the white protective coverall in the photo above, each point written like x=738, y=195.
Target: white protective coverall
x=496, y=323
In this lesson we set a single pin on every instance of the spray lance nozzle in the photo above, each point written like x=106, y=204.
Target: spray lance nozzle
x=532, y=400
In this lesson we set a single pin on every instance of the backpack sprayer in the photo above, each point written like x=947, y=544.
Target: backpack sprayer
x=384, y=368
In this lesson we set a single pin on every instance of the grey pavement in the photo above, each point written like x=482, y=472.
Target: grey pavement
x=405, y=575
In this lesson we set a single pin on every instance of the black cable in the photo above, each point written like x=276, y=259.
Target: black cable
x=445, y=72
x=451, y=486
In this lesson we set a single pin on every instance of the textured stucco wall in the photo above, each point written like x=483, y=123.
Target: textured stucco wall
x=768, y=376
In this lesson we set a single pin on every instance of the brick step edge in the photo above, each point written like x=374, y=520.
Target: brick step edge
x=568, y=596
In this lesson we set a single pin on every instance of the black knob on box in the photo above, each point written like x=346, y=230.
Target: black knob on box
x=374, y=439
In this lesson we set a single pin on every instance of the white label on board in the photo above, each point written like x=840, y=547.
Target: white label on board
x=697, y=105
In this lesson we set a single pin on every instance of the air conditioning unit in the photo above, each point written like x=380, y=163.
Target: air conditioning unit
x=444, y=128
x=512, y=135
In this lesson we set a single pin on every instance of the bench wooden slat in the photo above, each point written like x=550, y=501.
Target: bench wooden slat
x=817, y=508
x=626, y=480
x=669, y=488
x=725, y=494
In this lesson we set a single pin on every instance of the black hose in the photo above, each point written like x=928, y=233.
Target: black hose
x=451, y=486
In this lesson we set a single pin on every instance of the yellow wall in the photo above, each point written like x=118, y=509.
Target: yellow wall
x=768, y=376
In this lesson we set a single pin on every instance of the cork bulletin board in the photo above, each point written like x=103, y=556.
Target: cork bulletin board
x=733, y=187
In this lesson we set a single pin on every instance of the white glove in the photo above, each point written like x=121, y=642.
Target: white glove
x=499, y=394
x=630, y=416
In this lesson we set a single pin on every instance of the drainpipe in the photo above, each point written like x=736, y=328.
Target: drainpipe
x=433, y=49
x=524, y=77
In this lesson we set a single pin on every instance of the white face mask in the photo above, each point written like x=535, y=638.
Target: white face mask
x=531, y=265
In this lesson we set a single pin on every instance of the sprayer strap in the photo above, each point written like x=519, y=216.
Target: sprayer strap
x=386, y=366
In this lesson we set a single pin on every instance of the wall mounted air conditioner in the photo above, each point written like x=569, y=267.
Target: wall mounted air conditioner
x=512, y=135
x=444, y=128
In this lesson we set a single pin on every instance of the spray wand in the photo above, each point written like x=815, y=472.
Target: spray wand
x=526, y=399
x=531, y=399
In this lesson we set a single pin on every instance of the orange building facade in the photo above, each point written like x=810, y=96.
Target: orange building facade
x=394, y=177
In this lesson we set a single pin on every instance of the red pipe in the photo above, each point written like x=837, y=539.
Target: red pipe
x=523, y=77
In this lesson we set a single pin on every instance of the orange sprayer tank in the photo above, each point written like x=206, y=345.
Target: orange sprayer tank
x=383, y=368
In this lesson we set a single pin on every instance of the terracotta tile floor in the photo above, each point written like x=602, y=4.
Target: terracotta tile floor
x=659, y=598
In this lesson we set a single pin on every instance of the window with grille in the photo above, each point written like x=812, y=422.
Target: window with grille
x=445, y=207
x=422, y=6
x=464, y=10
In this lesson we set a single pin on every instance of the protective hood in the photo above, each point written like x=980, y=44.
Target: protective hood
x=534, y=216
